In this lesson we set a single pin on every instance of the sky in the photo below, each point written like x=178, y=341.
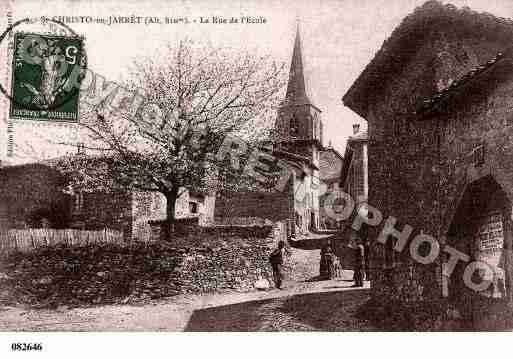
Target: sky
x=339, y=37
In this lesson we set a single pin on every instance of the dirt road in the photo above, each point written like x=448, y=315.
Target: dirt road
x=324, y=305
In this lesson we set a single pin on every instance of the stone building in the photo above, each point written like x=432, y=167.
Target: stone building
x=36, y=195
x=354, y=176
x=437, y=99
x=330, y=167
x=131, y=212
x=33, y=195
x=298, y=142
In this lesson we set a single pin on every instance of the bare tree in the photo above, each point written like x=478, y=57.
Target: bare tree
x=194, y=97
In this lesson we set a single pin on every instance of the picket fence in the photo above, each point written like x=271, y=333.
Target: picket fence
x=27, y=239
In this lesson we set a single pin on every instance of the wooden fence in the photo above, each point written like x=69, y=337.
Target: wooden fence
x=27, y=239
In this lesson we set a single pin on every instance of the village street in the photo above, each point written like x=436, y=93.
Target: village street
x=324, y=305
x=301, y=305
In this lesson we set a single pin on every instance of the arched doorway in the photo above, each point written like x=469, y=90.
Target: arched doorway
x=481, y=229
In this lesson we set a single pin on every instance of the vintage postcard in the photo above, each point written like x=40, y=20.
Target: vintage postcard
x=246, y=166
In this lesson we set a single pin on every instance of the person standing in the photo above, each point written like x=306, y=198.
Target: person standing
x=276, y=259
x=326, y=265
x=366, y=248
x=322, y=266
x=359, y=264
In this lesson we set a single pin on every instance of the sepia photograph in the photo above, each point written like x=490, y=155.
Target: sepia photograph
x=225, y=166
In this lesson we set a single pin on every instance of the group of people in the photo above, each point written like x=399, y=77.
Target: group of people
x=329, y=264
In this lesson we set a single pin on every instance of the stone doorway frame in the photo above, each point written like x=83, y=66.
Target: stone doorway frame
x=471, y=201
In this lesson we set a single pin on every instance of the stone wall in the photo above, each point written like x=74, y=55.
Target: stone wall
x=187, y=231
x=406, y=282
x=101, y=210
x=31, y=194
x=223, y=257
x=227, y=258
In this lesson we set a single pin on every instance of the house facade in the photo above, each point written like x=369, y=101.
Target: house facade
x=354, y=176
x=330, y=168
x=36, y=195
x=437, y=101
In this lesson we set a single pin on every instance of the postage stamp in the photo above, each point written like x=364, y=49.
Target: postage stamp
x=42, y=65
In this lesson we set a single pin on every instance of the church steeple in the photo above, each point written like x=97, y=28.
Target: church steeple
x=296, y=87
x=298, y=127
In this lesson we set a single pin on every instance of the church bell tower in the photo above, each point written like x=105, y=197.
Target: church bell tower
x=298, y=127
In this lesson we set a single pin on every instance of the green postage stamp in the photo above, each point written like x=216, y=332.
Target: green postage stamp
x=45, y=75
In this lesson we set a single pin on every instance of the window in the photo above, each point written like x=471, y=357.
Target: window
x=397, y=127
x=294, y=126
x=479, y=155
x=193, y=207
x=299, y=222
x=144, y=204
x=79, y=202
x=80, y=149
x=389, y=252
x=359, y=178
x=320, y=132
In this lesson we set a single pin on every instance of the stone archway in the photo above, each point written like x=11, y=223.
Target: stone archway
x=481, y=228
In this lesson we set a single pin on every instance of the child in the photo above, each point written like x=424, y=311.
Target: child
x=276, y=259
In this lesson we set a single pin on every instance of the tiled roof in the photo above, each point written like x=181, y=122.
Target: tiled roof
x=444, y=93
x=294, y=158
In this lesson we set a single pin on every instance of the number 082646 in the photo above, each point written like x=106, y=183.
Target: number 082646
x=26, y=347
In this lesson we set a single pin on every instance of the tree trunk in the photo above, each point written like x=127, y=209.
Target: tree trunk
x=169, y=226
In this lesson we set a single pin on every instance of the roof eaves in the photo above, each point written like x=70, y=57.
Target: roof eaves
x=430, y=103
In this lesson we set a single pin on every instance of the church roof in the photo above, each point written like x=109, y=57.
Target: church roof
x=296, y=86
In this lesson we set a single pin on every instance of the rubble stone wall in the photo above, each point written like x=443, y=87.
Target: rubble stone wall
x=205, y=260
x=29, y=191
x=105, y=210
x=222, y=257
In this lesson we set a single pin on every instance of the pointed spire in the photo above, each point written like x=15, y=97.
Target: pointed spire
x=296, y=89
